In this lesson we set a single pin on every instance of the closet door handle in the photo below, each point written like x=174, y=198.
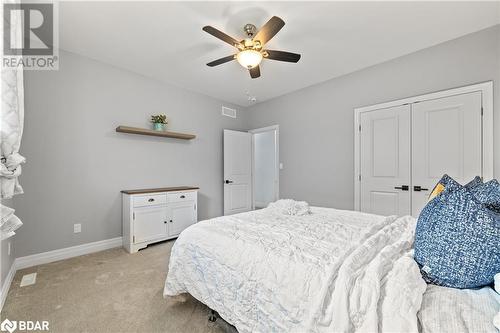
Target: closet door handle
x=228, y=181
x=419, y=188
x=402, y=187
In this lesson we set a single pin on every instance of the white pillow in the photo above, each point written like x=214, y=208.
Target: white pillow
x=290, y=207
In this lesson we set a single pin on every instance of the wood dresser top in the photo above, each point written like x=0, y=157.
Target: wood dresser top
x=161, y=189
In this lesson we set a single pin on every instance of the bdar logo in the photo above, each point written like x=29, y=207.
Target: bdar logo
x=8, y=325
x=24, y=325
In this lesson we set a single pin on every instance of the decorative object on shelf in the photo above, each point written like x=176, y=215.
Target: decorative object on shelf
x=159, y=122
x=143, y=131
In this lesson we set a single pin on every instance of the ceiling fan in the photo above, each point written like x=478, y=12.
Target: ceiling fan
x=250, y=50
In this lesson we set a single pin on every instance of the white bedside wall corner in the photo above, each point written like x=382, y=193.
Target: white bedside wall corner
x=154, y=215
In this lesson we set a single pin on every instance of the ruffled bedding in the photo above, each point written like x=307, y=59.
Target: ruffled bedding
x=327, y=270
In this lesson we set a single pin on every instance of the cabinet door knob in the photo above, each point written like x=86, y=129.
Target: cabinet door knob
x=183, y=196
x=165, y=222
x=151, y=200
x=171, y=221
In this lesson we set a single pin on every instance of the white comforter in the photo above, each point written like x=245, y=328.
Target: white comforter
x=331, y=270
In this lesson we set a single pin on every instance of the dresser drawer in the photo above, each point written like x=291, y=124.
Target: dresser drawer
x=181, y=196
x=150, y=200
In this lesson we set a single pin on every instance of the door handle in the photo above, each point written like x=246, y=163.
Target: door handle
x=402, y=187
x=228, y=181
x=151, y=200
x=419, y=188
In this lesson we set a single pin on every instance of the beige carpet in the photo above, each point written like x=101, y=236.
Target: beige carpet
x=109, y=291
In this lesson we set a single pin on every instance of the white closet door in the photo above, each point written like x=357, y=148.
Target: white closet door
x=385, y=161
x=446, y=138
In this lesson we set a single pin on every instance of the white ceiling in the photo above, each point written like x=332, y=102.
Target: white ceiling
x=164, y=40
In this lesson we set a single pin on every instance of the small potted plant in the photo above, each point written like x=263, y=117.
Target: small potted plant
x=159, y=122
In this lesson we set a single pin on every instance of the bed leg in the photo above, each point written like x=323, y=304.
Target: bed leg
x=212, y=317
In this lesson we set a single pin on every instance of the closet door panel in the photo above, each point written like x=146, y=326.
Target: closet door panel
x=385, y=161
x=446, y=138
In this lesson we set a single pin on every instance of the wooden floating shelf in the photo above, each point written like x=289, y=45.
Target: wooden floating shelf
x=144, y=131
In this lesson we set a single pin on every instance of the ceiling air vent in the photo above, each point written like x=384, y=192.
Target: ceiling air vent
x=228, y=112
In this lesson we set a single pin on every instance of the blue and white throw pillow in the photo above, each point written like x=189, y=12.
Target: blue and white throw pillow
x=477, y=181
x=457, y=239
x=488, y=193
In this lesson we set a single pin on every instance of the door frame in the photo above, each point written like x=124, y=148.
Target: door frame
x=486, y=88
x=275, y=128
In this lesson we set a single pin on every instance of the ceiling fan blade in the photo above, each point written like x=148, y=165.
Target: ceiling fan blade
x=221, y=61
x=222, y=36
x=254, y=72
x=269, y=29
x=282, y=56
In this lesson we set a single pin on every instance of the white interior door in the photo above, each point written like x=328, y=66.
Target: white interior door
x=385, y=161
x=446, y=138
x=237, y=172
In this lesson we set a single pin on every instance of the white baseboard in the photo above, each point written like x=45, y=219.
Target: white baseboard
x=55, y=255
x=68, y=252
x=6, y=284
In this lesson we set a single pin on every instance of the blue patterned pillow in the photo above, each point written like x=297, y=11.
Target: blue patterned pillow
x=474, y=183
x=457, y=240
x=449, y=183
x=488, y=194
x=446, y=183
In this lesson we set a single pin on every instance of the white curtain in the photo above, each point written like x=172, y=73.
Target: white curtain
x=11, y=132
x=11, y=128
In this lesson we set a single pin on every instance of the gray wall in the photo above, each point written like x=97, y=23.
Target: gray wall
x=6, y=260
x=316, y=123
x=77, y=164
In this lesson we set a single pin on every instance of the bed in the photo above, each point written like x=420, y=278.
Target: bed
x=458, y=310
x=276, y=270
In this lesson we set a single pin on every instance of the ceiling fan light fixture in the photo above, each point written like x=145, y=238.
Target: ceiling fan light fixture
x=249, y=58
x=250, y=51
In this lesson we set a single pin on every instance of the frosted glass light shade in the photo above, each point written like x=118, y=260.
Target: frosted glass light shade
x=249, y=58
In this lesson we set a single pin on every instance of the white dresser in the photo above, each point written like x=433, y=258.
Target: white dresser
x=154, y=215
